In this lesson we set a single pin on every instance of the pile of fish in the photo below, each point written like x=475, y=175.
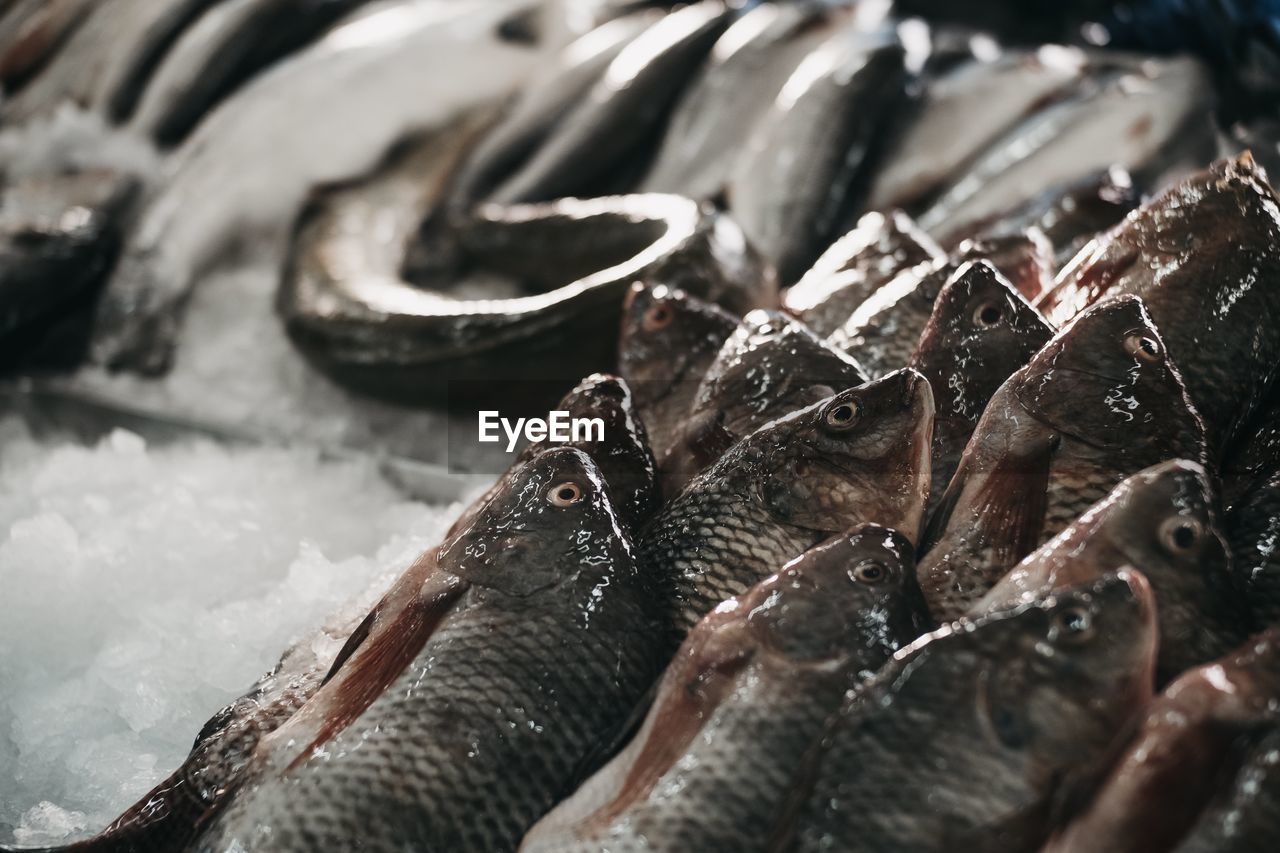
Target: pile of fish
x=938, y=504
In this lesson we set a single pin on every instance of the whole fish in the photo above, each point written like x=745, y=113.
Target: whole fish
x=621, y=110
x=980, y=332
x=879, y=247
x=738, y=708
x=971, y=737
x=1144, y=116
x=793, y=182
x=964, y=112
x=667, y=342
x=1163, y=522
x=1206, y=249
x=860, y=456
x=542, y=636
x=770, y=366
x=1102, y=400
x=724, y=101
x=1180, y=783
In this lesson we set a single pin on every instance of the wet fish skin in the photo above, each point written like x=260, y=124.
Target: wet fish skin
x=740, y=705
x=1024, y=258
x=794, y=180
x=980, y=332
x=1220, y=226
x=668, y=340
x=1164, y=522
x=880, y=246
x=1167, y=790
x=970, y=738
x=1102, y=400
x=32, y=32
x=1253, y=528
x=544, y=638
x=861, y=456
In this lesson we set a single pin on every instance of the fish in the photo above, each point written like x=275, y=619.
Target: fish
x=1184, y=777
x=1164, y=522
x=668, y=340
x=879, y=247
x=1253, y=529
x=737, y=709
x=1102, y=400
x=970, y=738
x=964, y=112
x=373, y=81
x=726, y=98
x=860, y=456
x=542, y=636
x=796, y=175
x=1221, y=226
x=59, y=235
x=1146, y=116
x=980, y=332
x=771, y=365
x=1024, y=258
x=624, y=107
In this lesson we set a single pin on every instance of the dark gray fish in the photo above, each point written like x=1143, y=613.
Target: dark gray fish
x=747, y=67
x=972, y=736
x=861, y=456
x=1253, y=528
x=1200, y=773
x=1101, y=401
x=879, y=247
x=542, y=636
x=980, y=332
x=1205, y=257
x=793, y=182
x=1164, y=522
x=748, y=692
x=621, y=110
x=668, y=341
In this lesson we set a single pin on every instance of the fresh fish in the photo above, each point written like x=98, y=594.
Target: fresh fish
x=542, y=636
x=965, y=112
x=1024, y=258
x=748, y=692
x=1180, y=783
x=361, y=88
x=1163, y=522
x=31, y=32
x=1142, y=116
x=748, y=65
x=971, y=738
x=1205, y=257
x=571, y=263
x=668, y=341
x=793, y=183
x=980, y=332
x=232, y=42
x=770, y=366
x=861, y=456
x=856, y=266
x=59, y=235
x=1099, y=402
x=621, y=110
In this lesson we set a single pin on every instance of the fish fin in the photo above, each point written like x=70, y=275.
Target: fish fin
x=357, y=638
x=941, y=515
x=1010, y=506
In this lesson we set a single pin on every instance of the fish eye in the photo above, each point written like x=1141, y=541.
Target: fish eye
x=988, y=314
x=870, y=573
x=1072, y=625
x=1142, y=347
x=567, y=493
x=1180, y=535
x=657, y=317
x=843, y=416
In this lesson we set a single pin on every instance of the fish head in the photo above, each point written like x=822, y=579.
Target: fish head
x=853, y=595
x=551, y=525
x=1067, y=673
x=772, y=365
x=861, y=455
x=1107, y=380
x=667, y=337
x=1025, y=259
